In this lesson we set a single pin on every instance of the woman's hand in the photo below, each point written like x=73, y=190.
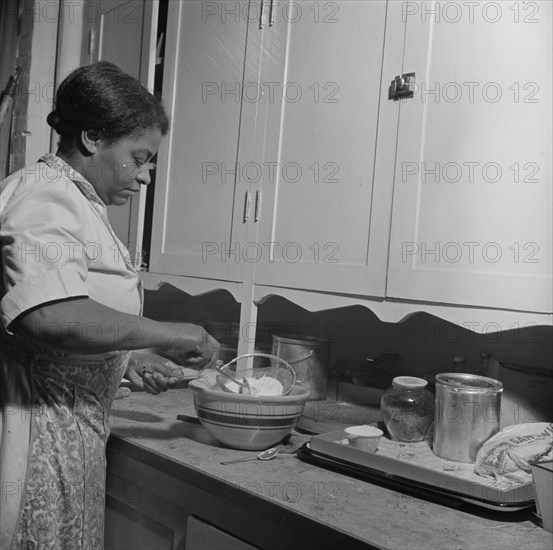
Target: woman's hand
x=155, y=374
x=190, y=345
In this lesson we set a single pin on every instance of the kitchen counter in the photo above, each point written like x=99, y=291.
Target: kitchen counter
x=164, y=471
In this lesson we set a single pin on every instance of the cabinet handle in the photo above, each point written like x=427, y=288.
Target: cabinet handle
x=402, y=87
x=257, y=205
x=271, y=14
x=261, y=14
x=91, y=41
x=247, y=202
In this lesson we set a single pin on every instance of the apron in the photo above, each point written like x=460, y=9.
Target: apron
x=62, y=493
x=54, y=421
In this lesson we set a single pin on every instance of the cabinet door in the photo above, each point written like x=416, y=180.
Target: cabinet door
x=471, y=221
x=203, y=536
x=209, y=55
x=135, y=517
x=123, y=32
x=126, y=527
x=323, y=88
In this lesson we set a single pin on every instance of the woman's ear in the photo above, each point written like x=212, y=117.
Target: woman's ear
x=89, y=140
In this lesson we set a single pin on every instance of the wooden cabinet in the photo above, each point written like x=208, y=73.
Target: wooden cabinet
x=140, y=526
x=203, y=536
x=212, y=55
x=270, y=166
x=472, y=220
x=128, y=527
x=155, y=502
x=289, y=169
x=146, y=509
x=325, y=62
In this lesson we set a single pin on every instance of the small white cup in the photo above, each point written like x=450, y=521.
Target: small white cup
x=364, y=438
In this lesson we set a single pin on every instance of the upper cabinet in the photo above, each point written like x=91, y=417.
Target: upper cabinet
x=200, y=208
x=290, y=166
x=472, y=220
x=324, y=61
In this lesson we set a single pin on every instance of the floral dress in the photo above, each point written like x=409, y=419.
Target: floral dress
x=56, y=244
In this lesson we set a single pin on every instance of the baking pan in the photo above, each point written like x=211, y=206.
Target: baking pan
x=413, y=466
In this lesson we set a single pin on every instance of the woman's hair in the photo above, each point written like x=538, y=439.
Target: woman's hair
x=103, y=97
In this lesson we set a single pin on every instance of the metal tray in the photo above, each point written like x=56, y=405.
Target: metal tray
x=414, y=466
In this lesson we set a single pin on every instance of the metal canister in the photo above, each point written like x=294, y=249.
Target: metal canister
x=309, y=357
x=467, y=413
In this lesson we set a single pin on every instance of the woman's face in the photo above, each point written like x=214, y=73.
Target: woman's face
x=117, y=170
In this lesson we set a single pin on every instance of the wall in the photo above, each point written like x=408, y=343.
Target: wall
x=30, y=30
x=9, y=28
x=425, y=344
x=37, y=44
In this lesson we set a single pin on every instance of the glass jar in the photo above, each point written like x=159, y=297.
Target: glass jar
x=408, y=409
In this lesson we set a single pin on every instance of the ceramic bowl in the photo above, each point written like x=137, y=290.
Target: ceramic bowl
x=366, y=438
x=246, y=421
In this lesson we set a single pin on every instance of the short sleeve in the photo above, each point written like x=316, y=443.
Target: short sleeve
x=43, y=249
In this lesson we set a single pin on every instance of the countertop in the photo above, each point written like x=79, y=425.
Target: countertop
x=369, y=513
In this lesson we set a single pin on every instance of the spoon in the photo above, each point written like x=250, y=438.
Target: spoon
x=243, y=386
x=264, y=455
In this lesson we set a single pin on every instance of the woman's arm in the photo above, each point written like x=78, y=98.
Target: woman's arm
x=82, y=325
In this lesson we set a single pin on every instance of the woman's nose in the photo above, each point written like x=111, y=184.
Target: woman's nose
x=144, y=177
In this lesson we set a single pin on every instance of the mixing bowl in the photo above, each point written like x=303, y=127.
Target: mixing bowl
x=277, y=370
x=246, y=421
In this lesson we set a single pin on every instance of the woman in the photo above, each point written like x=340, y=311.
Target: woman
x=70, y=310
